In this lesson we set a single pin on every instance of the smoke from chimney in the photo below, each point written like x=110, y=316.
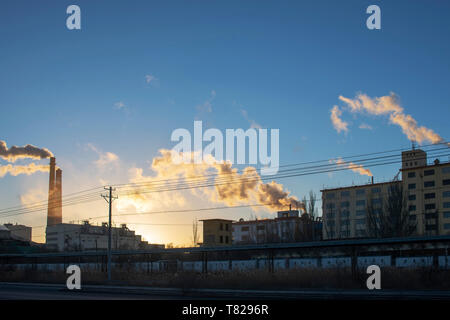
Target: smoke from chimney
x=231, y=187
x=29, y=151
x=22, y=169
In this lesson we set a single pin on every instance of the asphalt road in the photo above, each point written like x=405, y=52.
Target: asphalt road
x=32, y=291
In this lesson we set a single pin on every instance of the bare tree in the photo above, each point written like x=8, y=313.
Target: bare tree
x=389, y=219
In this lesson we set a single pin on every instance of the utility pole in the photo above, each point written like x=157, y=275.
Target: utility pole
x=109, y=199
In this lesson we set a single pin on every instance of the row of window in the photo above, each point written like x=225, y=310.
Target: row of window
x=430, y=206
x=346, y=193
x=429, y=184
x=428, y=172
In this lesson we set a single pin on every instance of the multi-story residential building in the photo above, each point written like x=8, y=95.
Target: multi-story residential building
x=288, y=226
x=426, y=189
x=428, y=192
x=216, y=232
x=344, y=210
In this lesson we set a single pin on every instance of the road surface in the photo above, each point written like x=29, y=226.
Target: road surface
x=34, y=291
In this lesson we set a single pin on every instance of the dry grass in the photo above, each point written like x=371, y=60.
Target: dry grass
x=336, y=278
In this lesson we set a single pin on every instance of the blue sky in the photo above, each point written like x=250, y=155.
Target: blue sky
x=284, y=62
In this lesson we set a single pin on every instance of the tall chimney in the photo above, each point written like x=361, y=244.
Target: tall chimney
x=58, y=197
x=51, y=193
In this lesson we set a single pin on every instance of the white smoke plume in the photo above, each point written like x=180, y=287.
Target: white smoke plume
x=388, y=105
x=354, y=167
x=23, y=169
x=29, y=151
x=338, y=123
x=230, y=186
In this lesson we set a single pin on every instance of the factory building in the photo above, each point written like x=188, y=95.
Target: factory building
x=19, y=232
x=77, y=237
x=83, y=237
x=426, y=193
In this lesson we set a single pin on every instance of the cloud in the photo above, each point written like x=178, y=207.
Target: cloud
x=150, y=79
x=29, y=151
x=32, y=196
x=253, y=123
x=365, y=126
x=390, y=106
x=120, y=105
x=105, y=159
x=207, y=105
x=338, y=123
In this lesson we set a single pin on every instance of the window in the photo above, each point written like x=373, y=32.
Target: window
x=411, y=174
x=376, y=190
x=331, y=223
x=227, y=240
x=361, y=202
x=345, y=194
x=428, y=172
x=221, y=227
x=345, y=222
x=411, y=186
x=345, y=204
x=330, y=196
x=330, y=205
x=221, y=239
x=331, y=215
x=361, y=192
x=226, y=227
x=431, y=206
x=446, y=194
x=447, y=226
x=376, y=201
x=412, y=208
x=244, y=229
x=430, y=195
x=430, y=227
x=446, y=170
x=360, y=221
x=430, y=215
x=412, y=197
x=446, y=182
x=412, y=217
x=446, y=205
x=345, y=214
x=428, y=184
x=360, y=212
x=447, y=214
x=261, y=228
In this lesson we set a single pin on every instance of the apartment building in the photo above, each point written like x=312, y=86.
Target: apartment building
x=344, y=210
x=426, y=188
x=428, y=192
x=216, y=232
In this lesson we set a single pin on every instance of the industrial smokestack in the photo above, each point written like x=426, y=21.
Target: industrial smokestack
x=58, y=197
x=54, y=207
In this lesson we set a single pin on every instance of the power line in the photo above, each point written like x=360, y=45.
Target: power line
x=284, y=174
